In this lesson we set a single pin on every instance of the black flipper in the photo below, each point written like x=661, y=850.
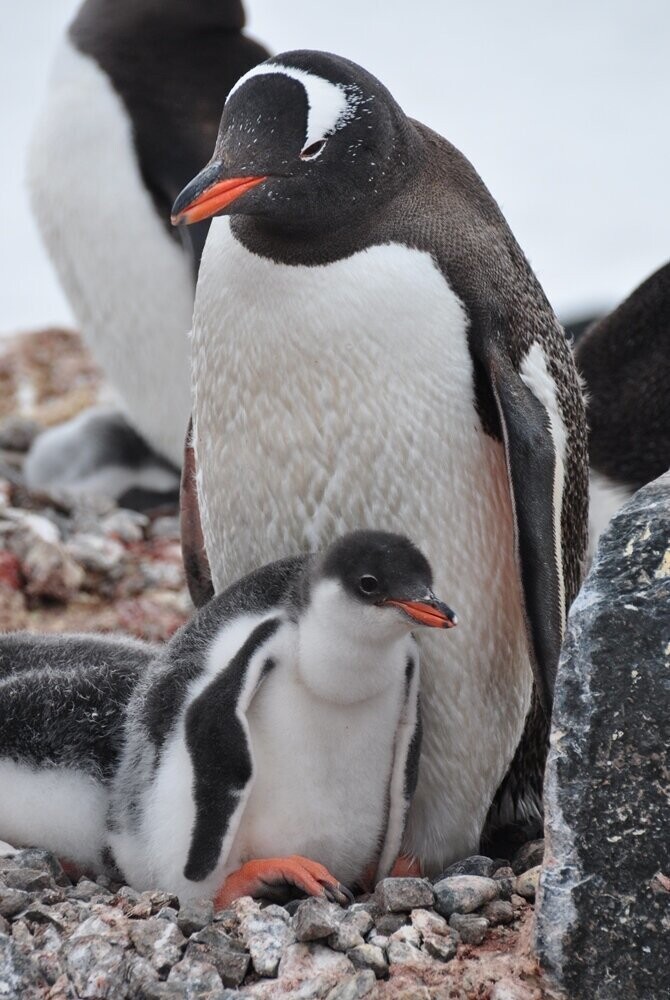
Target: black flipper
x=217, y=738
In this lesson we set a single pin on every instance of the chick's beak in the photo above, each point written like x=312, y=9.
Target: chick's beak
x=426, y=610
x=209, y=193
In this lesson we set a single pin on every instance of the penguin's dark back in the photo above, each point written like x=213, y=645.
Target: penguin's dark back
x=63, y=699
x=172, y=64
x=625, y=362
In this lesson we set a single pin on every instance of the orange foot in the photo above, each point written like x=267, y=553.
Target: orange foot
x=406, y=866
x=275, y=878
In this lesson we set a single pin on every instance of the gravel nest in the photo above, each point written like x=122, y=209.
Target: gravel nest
x=73, y=565
x=464, y=935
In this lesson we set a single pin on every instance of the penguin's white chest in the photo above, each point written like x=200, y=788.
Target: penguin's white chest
x=339, y=397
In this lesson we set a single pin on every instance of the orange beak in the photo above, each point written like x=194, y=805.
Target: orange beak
x=432, y=613
x=197, y=202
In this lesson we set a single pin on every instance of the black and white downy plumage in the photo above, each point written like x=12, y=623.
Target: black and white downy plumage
x=370, y=345
x=624, y=359
x=131, y=112
x=274, y=739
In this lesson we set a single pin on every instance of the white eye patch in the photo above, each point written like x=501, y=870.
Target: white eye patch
x=329, y=105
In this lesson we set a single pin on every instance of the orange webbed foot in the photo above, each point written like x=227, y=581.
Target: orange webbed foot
x=406, y=867
x=274, y=878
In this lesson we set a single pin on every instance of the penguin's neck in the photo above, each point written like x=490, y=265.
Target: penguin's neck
x=343, y=655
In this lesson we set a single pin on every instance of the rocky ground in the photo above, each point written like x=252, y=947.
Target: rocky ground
x=70, y=565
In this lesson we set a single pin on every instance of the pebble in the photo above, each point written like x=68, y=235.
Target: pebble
x=475, y=865
x=471, y=928
x=49, y=569
x=505, y=878
x=394, y=895
x=213, y=945
x=195, y=915
x=526, y=884
x=359, y=918
x=346, y=936
x=266, y=933
x=529, y=855
x=441, y=946
x=193, y=979
x=407, y=933
x=316, y=919
x=427, y=922
x=28, y=879
x=354, y=987
x=96, y=968
x=368, y=956
x=12, y=901
x=498, y=911
x=166, y=526
x=159, y=941
x=126, y=525
x=401, y=953
x=96, y=554
x=464, y=893
x=390, y=922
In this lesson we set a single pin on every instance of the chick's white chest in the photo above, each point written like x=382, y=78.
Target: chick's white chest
x=321, y=774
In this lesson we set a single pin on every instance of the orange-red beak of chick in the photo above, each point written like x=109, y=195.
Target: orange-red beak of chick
x=427, y=611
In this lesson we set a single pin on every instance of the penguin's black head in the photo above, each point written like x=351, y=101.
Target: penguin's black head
x=384, y=570
x=307, y=140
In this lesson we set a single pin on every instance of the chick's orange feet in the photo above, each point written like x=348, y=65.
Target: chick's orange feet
x=276, y=878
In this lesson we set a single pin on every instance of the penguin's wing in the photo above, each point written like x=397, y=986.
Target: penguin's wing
x=405, y=770
x=218, y=742
x=534, y=440
x=196, y=563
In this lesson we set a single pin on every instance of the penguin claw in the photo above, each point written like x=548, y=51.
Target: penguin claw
x=276, y=877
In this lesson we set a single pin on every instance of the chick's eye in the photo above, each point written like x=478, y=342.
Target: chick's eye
x=312, y=151
x=368, y=584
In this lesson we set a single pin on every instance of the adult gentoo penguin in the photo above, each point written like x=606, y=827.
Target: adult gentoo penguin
x=370, y=343
x=274, y=739
x=132, y=111
x=624, y=359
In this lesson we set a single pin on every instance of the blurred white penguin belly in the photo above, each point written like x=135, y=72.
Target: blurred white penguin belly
x=341, y=396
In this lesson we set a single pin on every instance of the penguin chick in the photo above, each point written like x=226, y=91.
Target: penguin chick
x=271, y=745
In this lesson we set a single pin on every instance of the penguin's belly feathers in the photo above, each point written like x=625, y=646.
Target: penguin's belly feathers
x=322, y=776
x=341, y=396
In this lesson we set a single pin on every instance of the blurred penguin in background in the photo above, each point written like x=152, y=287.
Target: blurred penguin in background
x=624, y=360
x=131, y=114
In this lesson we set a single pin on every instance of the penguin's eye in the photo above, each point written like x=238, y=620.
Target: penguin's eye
x=311, y=152
x=368, y=584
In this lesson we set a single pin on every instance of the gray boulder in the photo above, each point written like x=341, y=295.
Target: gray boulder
x=603, y=910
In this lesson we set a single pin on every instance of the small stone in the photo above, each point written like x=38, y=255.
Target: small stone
x=407, y=933
x=396, y=895
x=512, y=989
x=19, y=974
x=518, y=902
x=96, y=967
x=159, y=941
x=39, y=914
x=389, y=923
x=505, y=878
x=379, y=940
x=12, y=901
x=106, y=922
x=368, y=906
x=368, y=956
x=85, y=890
x=345, y=937
x=302, y=963
x=266, y=933
x=427, y=922
x=166, y=526
x=126, y=525
x=4, y=926
x=464, y=893
x=195, y=915
x=475, y=865
x=141, y=975
x=95, y=553
x=194, y=979
x=212, y=944
x=498, y=911
x=441, y=946
x=401, y=953
x=360, y=919
x=529, y=855
x=45, y=861
x=49, y=569
x=316, y=919
x=471, y=929
x=354, y=987
x=168, y=913
x=526, y=884
x=28, y=879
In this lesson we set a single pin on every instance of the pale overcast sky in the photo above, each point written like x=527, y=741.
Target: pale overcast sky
x=562, y=108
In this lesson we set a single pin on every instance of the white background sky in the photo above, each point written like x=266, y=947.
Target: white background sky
x=564, y=109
